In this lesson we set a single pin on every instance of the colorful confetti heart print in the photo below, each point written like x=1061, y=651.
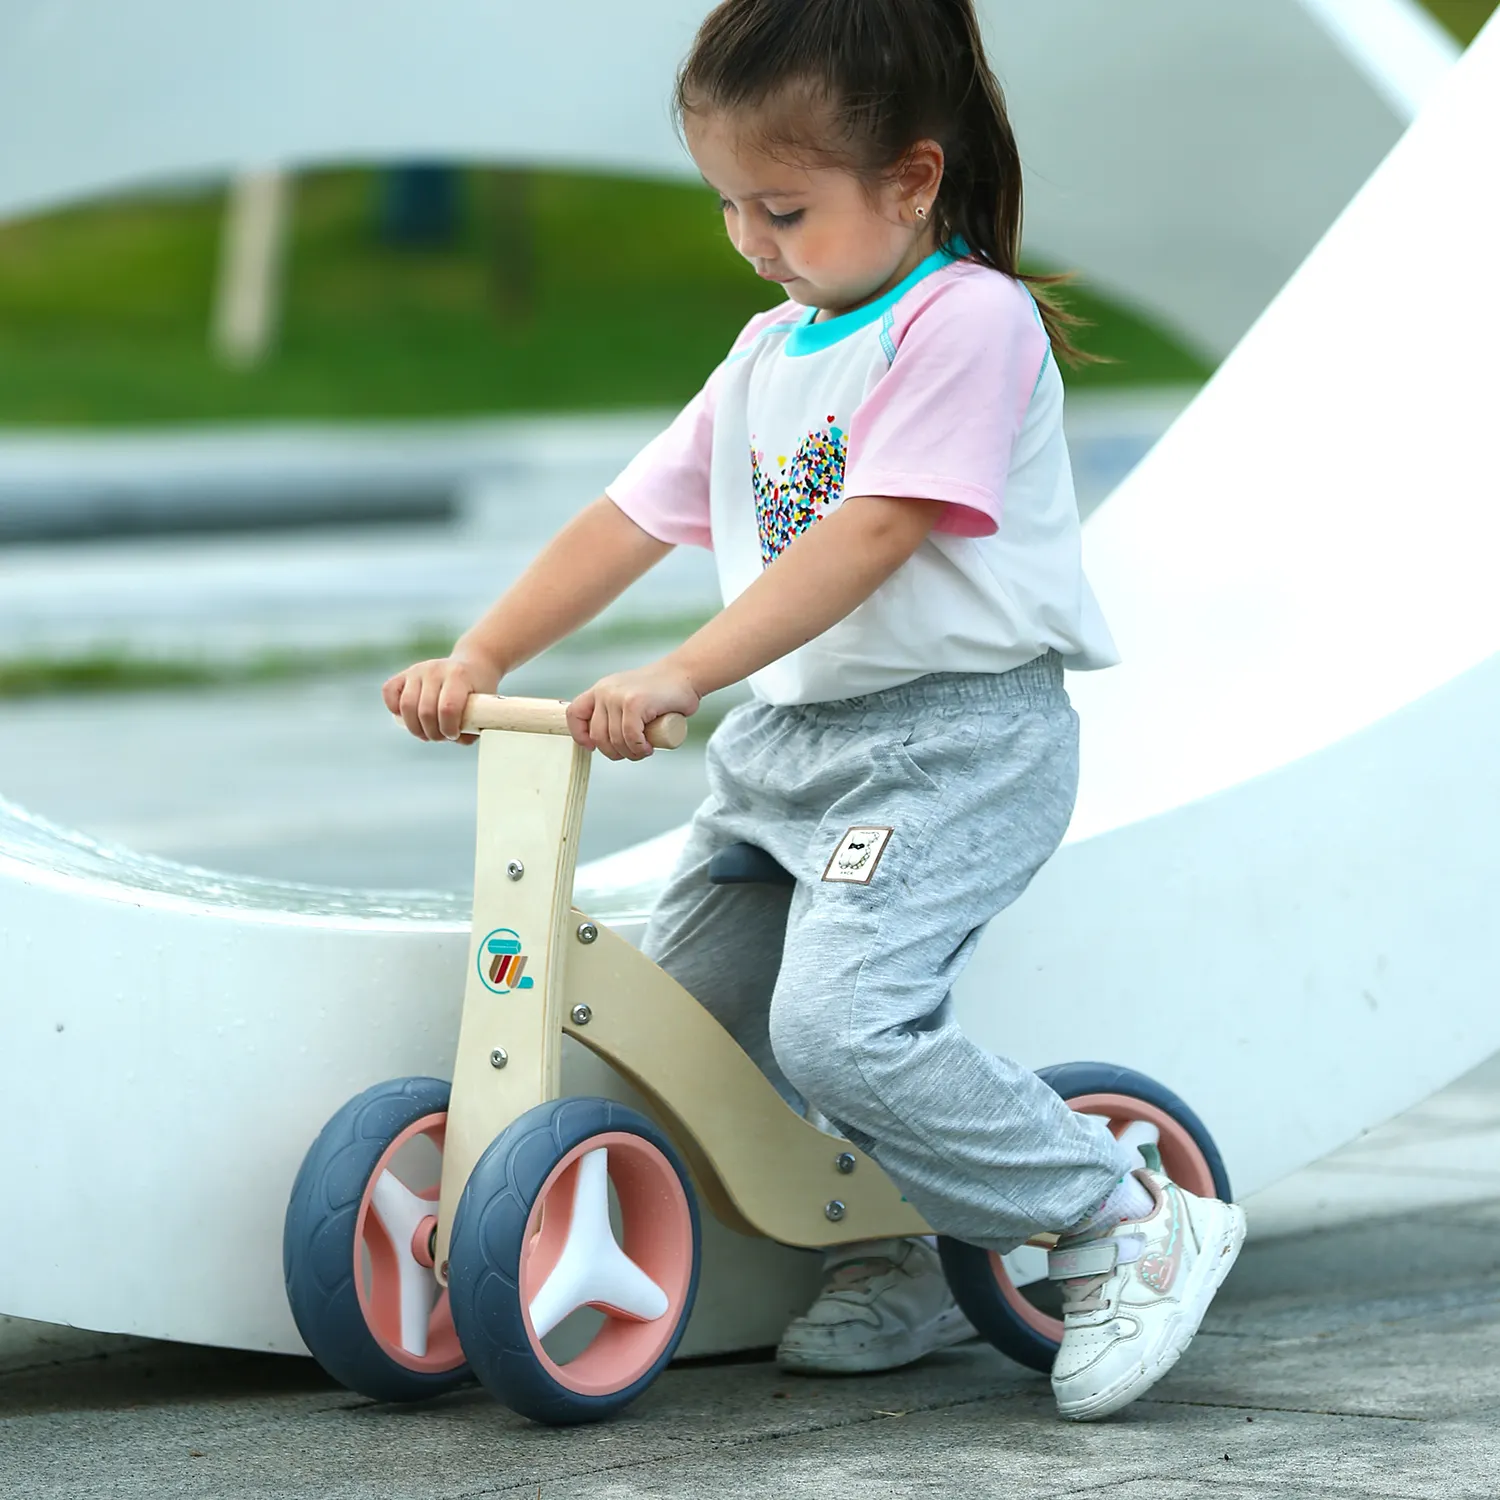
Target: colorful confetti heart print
x=799, y=494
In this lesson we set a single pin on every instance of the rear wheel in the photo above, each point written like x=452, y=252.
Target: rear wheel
x=356, y=1246
x=1008, y=1298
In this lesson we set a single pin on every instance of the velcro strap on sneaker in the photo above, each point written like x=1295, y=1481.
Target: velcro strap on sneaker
x=1083, y=1260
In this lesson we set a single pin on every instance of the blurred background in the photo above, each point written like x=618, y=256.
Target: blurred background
x=270, y=432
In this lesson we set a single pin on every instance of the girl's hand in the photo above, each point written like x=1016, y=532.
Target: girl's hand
x=612, y=716
x=430, y=695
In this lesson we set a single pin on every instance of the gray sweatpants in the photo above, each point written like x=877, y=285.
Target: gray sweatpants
x=909, y=818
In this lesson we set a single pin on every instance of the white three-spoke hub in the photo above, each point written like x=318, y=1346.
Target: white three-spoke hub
x=400, y=1211
x=593, y=1271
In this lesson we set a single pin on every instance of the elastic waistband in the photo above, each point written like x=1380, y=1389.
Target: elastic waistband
x=1035, y=684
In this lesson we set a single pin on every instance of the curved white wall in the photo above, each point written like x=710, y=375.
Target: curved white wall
x=171, y=1042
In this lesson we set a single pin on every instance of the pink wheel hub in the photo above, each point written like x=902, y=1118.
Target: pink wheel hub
x=405, y=1309
x=1136, y=1121
x=572, y=1259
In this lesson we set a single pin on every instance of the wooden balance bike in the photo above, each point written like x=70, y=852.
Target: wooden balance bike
x=549, y=1245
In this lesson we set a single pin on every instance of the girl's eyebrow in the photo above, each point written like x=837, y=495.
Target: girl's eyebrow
x=765, y=193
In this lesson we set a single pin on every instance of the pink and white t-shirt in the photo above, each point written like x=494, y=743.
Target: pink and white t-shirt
x=943, y=389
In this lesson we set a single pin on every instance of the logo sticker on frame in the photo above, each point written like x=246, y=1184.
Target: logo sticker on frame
x=857, y=854
x=502, y=965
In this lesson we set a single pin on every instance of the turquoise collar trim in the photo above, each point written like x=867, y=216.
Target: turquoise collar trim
x=808, y=337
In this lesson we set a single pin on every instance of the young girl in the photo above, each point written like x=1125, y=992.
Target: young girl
x=879, y=467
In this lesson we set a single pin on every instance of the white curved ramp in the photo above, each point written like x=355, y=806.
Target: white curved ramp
x=1186, y=156
x=172, y=1041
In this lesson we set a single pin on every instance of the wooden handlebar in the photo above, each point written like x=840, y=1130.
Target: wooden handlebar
x=548, y=716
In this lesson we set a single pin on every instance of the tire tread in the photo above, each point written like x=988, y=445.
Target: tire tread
x=317, y=1242
x=489, y=1226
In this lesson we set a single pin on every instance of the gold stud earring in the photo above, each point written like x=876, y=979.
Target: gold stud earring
x=922, y=214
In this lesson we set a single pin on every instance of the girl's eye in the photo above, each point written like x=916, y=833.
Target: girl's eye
x=777, y=221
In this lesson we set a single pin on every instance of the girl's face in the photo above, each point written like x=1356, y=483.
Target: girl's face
x=815, y=230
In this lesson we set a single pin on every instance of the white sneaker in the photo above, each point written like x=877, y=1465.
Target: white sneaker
x=1135, y=1293
x=884, y=1304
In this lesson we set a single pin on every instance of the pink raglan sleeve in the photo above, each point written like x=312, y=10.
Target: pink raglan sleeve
x=942, y=422
x=664, y=489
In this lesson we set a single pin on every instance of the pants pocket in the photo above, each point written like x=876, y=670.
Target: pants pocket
x=931, y=757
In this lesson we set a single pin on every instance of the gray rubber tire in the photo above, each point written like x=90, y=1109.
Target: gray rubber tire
x=318, y=1241
x=489, y=1229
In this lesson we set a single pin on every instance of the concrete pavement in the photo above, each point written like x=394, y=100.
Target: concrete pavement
x=1362, y=1362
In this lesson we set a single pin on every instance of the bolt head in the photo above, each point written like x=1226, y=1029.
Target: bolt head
x=499, y=1057
x=582, y=1015
x=834, y=1210
x=587, y=932
x=515, y=869
x=845, y=1162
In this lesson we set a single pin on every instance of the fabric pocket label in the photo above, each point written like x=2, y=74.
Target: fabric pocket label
x=857, y=855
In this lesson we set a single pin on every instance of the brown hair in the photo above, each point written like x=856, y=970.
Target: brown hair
x=883, y=75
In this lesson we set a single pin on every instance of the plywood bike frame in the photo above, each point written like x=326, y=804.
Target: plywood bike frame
x=539, y=969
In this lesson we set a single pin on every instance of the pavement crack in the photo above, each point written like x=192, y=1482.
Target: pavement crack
x=1273, y=1489
x=1295, y=1411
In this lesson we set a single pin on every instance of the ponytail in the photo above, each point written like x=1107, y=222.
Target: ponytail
x=981, y=193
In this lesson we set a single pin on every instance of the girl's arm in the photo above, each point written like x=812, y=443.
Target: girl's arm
x=590, y=562
x=830, y=569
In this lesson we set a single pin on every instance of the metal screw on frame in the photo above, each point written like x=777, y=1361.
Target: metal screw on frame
x=845, y=1162
x=499, y=1057
x=515, y=869
x=587, y=932
x=833, y=1209
x=582, y=1015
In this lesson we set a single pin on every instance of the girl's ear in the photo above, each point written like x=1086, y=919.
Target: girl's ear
x=921, y=174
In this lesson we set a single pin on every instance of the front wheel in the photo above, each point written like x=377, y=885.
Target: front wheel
x=574, y=1260
x=1008, y=1298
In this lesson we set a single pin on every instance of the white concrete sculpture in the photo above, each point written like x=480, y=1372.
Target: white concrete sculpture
x=1274, y=898
x=171, y=1042
x=1186, y=156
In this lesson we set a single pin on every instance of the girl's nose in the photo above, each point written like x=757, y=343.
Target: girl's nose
x=752, y=241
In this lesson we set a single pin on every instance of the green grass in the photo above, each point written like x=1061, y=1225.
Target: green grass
x=1462, y=17
x=117, y=671
x=108, y=669
x=104, y=311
